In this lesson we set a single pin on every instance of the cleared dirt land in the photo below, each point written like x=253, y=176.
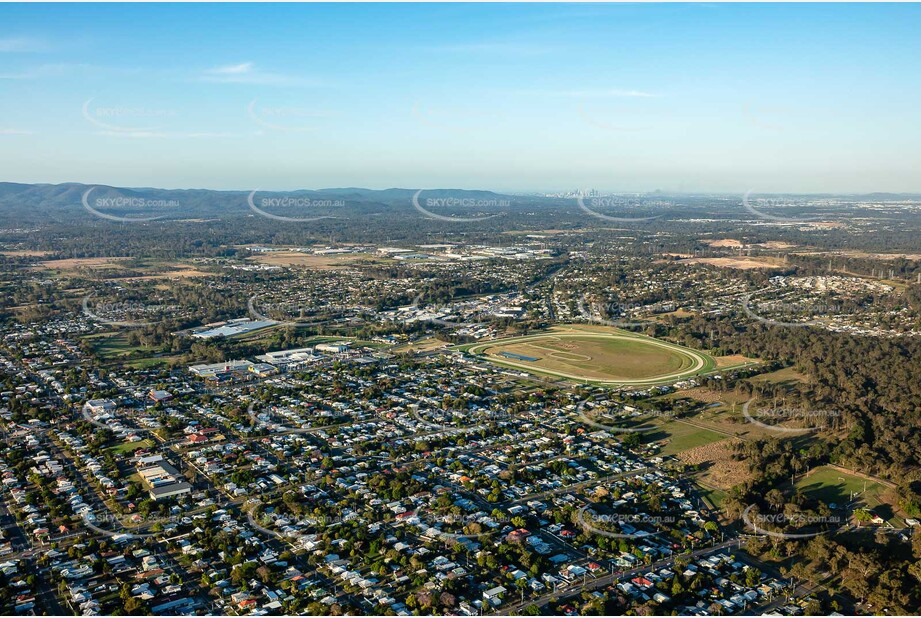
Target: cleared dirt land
x=76, y=263
x=25, y=253
x=722, y=242
x=613, y=357
x=318, y=262
x=100, y=267
x=734, y=360
x=742, y=263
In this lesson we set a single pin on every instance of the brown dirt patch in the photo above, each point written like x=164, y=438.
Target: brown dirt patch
x=25, y=253
x=733, y=359
x=180, y=273
x=75, y=263
x=296, y=258
x=723, y=472
x=742, y=263
x=723, y=242
x=702, y=393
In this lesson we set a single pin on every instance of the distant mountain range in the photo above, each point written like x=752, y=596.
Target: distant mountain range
x=36, y=201
x=68, y=201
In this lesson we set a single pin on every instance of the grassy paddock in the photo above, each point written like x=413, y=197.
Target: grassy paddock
x=114, y=345
x=681, y=437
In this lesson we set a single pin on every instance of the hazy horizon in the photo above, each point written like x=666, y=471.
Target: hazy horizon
x=683, y=98
x=521, y=192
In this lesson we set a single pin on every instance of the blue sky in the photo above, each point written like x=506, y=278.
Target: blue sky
x=629, y=97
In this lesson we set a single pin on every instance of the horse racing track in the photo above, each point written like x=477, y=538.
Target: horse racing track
x=608, y=358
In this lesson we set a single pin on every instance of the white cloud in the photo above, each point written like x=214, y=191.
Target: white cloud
x=609, y=93
x=233, y=69
x=593, y=93
x=63, y=69
x=167, y=135
x=249, y=73
x=22, y=44
x=497, y=47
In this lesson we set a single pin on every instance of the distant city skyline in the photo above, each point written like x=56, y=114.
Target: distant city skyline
x=512, y=98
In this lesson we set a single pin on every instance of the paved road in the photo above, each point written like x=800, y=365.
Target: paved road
x=263, y=529
x=606, y=580
x=46, y=596
x=779, y=601
x=569, y=488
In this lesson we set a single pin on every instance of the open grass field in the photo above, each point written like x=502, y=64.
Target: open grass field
x=722, y=412
x=832, y=485
x=111, y=345
x=678, y=437
x=153, y=361
x=715, y=400
x=607, y=357
x=127, y=448
x=114, y=347
x=788, y=376
x=316, y=262
x=427, y=344
x=714, y=496
x=102, y=268
x=68, y=264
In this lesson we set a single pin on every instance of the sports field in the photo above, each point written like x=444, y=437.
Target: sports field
x=831, y=485
x=611, y=358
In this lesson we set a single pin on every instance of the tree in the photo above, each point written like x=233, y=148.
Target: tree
x=752, y=577
x=775, y=499
x=863, y=516
x=134, y=606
